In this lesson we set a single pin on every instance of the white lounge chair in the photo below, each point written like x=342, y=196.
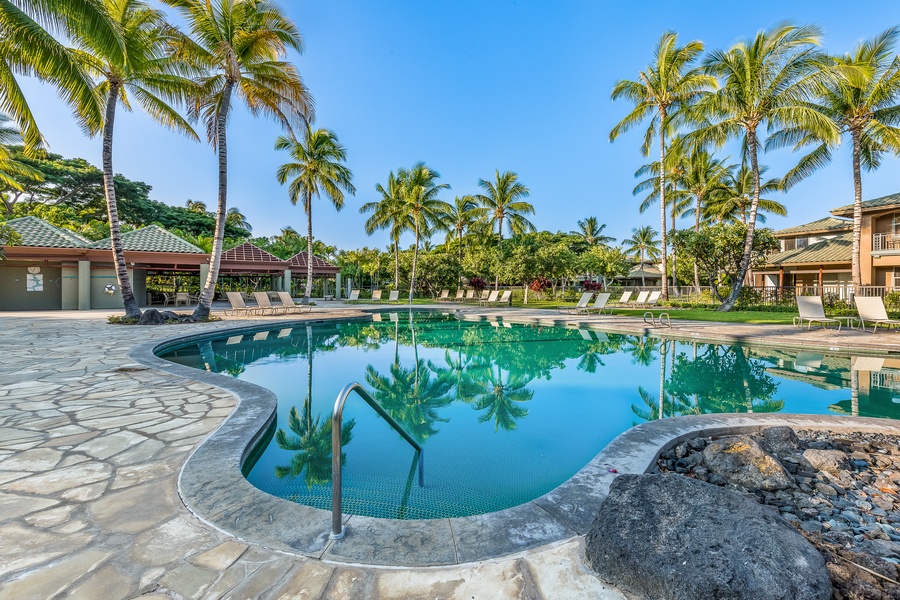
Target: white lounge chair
x=623, y=301
x=459, y=295
x=505, y=298
x=812, y=311
x=290, y=306
x=872, y=310
x=641, y=300
x=394, y=296
x=237, y=305
x=470, y=296
x=265, y=305
x=445, y=295
x=599, y=304
x=376, y=295
x=580, y=307
x=653, y=298
x=354, y=297
x=485, y=294
x=491, y=299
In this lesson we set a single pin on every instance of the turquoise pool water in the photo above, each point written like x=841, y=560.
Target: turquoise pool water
x=505, y=413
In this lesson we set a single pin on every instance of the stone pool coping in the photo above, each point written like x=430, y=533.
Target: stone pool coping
x=213, y=488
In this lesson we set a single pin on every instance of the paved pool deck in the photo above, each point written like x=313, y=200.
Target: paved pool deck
x=92, y=445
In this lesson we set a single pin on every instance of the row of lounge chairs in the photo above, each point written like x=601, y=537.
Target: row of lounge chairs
x=264, y=306
x=393, y=296
x=601, y=304
x=871, y=310
x=487, y=296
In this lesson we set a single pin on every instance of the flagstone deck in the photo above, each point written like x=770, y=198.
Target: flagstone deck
x=91, y=445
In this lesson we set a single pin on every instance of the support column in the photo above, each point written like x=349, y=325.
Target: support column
x=286, y=282
x=821, y=283
x=337, y=286
x=780, y=283
x=204, y=273
x=84, y=285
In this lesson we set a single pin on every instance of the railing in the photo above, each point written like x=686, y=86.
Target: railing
x=337, y=524
x=885, y=241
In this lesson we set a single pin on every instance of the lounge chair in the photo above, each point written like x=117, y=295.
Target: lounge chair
x=641, y=300
x=580, y=307
x=237, y=305
x=445, y=296
x=491, y=299
x=376, y=295
x=623, y=301
x=354, y=297
x=459, y=295
x=470, y=296
x=872, y=310
x=600, y=304
x=653, y=298
x=485, y=294
x=812, y=311
x=394, y=296
x=290, y=306
x=265, y=305
x=505, y=298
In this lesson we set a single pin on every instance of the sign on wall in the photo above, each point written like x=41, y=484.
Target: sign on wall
x=34, y=281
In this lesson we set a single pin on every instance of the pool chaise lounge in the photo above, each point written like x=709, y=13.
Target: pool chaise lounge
x=580, y=307
x=812, y=311
x=872, y=310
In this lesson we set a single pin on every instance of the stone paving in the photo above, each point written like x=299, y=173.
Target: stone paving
x=90, y=449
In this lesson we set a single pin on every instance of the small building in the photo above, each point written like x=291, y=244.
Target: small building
x=640, y=274
x=879, y=245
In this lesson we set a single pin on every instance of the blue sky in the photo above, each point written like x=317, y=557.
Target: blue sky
x=470, y=87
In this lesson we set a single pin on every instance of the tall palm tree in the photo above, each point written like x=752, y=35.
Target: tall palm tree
x=767, y=80
x=11, y=168
x=863, y=101
x=236, y=218
x=389, y=213
x=197, y=206
x=592, y=232
x=424, y=209
x=461, y=214
x=145, y=75
x=643, y=242
x=666, y=87
x=500, y=397
x=733, y=202
x=240, y=44
x=317, y=169
x=502, y=200
x=704, y=176
x=28, y=48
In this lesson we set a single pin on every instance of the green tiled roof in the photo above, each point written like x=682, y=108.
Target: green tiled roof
x=826, y=225
x=152, y=238
x=838, y=249
x=875, y=204
x=38, y=233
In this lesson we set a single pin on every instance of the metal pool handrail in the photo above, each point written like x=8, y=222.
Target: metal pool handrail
x=337, y=525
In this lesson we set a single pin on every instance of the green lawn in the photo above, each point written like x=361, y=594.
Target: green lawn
x=692, y=314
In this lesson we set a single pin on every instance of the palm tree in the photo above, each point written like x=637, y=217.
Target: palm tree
x=317, y=169
x=768, y=80
x=236, y=218
x=462, y=213
x=502, y=201
x=863, y=102
x=500, y=398
x=27, y=48
x=703, y=178
x=643, y=242
x=197, y=206
x=733, y=202
x=145, y=75
x=11, y=168
x=592, y=232
x=389, y=213
x=240, y=43
x=422, y=206
x=665, y=88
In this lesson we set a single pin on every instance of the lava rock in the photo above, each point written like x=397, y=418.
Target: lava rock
x=667, y=536
x=828, y=461
x=151, y=316
x=743, y=462
x=780, y=440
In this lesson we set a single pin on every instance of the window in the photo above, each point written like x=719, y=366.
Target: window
x=895, y=280
x=789, y=244
x=802, y=242
x=895, y=226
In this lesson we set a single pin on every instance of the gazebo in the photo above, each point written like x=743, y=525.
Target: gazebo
x=321, y=269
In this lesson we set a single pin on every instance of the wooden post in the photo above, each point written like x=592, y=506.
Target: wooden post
x=821, y=280
x=780, y=283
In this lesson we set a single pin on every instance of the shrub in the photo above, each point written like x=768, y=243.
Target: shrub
x=539, y=284
x=478, y=283
x=592, y=286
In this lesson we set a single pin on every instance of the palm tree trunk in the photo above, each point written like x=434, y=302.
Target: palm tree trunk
x=459, y=243
x=396, y=262
x=662, y=378
x=499, y=239
x=412, y=279
x=751, y=225
x=857, y=212
x=697, y=229
x=132, y=311
x=209, y=289
x=662, y=201
x=674, y=253
x=309, y=254
x=643, y=279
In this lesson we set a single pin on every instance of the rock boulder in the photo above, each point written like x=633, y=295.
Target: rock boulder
x=668, y=536
x=781, y=440
x=741, y=461
x=151, y=316
x=828, y=461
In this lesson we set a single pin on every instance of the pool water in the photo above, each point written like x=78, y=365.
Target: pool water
x=505, y=412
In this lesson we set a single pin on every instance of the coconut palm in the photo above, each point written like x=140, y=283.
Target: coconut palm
x=239, y=43
x=389, y=213
x=643, y=243
x=863, y=101
x=422, y=207
x=236, y=218
x=28, y=48
x=145, y=76
x=12, y=170
x=317, y=169
x=197, y=206
x=767, y=80
x=500, y=398
x=661, y=92
x=502, y=201
x=461, y=215
x=732, y=203
x=592, y=232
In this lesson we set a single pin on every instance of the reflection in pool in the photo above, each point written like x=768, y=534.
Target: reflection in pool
x=505, y=413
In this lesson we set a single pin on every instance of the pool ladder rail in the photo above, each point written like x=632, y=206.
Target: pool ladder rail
x=337, y=525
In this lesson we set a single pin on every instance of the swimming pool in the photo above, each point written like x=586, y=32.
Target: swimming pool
x=504, y=412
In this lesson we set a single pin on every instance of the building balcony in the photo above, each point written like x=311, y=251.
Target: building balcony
x=886, y=243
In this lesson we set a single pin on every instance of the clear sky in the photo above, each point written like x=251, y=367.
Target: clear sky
x=470, y=87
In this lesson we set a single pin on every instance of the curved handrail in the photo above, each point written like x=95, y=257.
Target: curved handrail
x=337, y=416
